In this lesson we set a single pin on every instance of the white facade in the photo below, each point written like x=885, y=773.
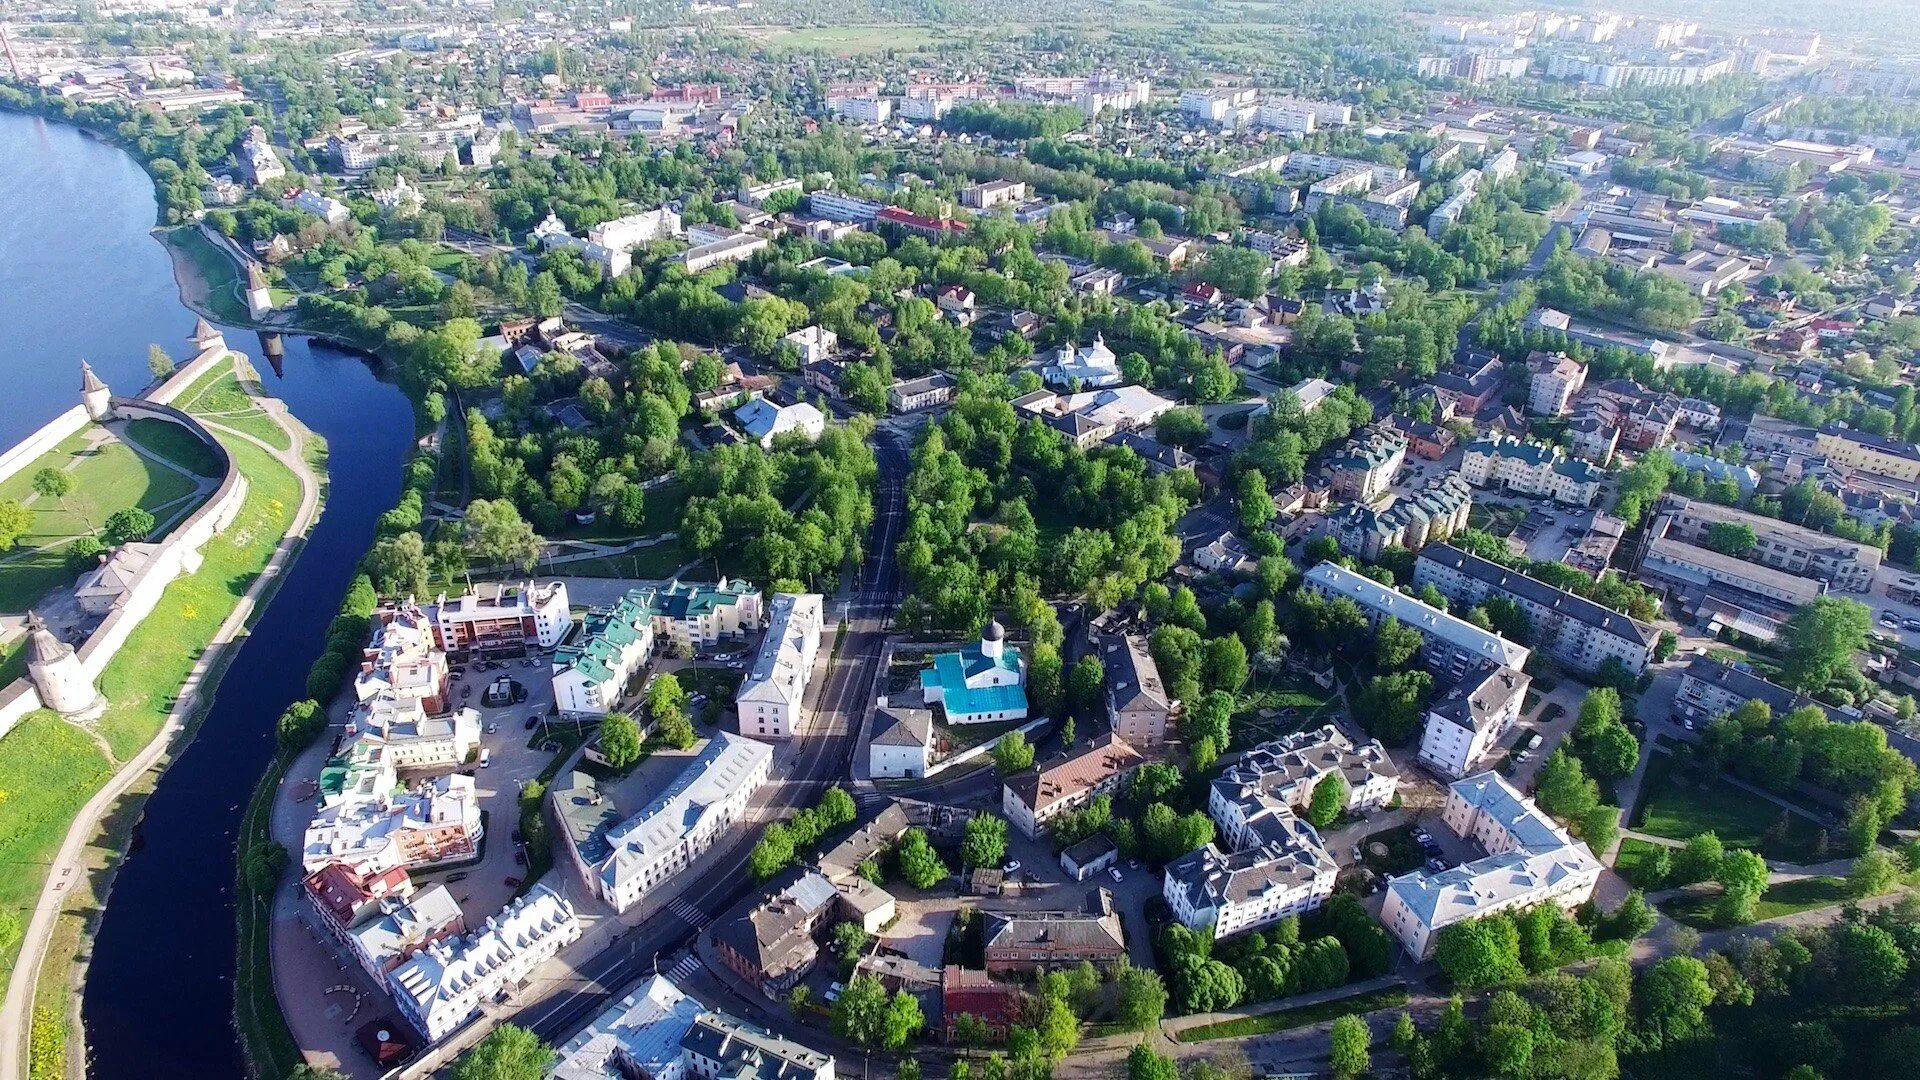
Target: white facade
x=1093, y=366
x=1530, y=469
x=324, y=207
x=1572, y=629
x=902, y=742
x=368, y=823
x=684, y=820
x=1466, y=722
x=440, y=988
x=634, y=230
x=1532, y=861
x=1450, y=646
x=591, y=674
x=862, y=108
x=813, y=343
x=771, y=697
x=763, y=421
x=494, y=615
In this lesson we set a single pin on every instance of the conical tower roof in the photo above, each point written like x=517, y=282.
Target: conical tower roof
x=42, y=646
x=89, y=382
x=203, y=331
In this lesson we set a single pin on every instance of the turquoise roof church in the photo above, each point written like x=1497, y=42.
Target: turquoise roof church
x=982, y=683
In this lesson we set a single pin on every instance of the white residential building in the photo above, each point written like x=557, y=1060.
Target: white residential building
x=1450, y=646
x=734, y=248
x=440, y=988
x=552, y=234
x=592, y=672
x=1280, y=777
x=411, y=738
x=1466, y=721
x=502, y=618
x=692, y=615
x=1289, y=873
x=839, y=206
x=367, y=821
x=902, y=741
x=1532, y=861
x=404, y=659
x=1572, y=629
x=683, y=821
x=771, y=696
x=401, y=928
x=763, y=421
x=638, y=1036
x=862, y=108
x=633, y=230
x=813, y=343
x=1527, y=468
x=1556, y=377
x=323, y=206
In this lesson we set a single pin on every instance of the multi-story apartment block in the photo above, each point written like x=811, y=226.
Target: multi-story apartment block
x=1029, y=943
x=439, y=988
x=402, y=732
x=1279, y=777
x=1531, y=861
x=1433, y=514
x=693, y=615
x=1449, y=646
x=634, y=230
x=591, y=673
x=1138, y=708
x=1556, y=378
x=625, y=861
x=1710, y=689
x=369, y=821
x=1299, y=116
x=1364, y=468
x=1466, y=721
x=660, y=1033
x=1527, y=468
x=771, y=696
x=403, y=660
x=839, y=206
x=1593, y=437
x=1032, y=798
x=1286, y=872
x=771, y=944
x=501, y=619
x=913, y=395
x=1572, y=629
x=400, y=928
x=719, y=1046
x=1217, y=105
x=1844, y=564
x=1692, y=568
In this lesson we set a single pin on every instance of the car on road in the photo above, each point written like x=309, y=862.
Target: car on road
x=493, y=729
x=1910, y=624
x=519, y=857
x=533, y=721
x=1013, y=867
x=457, y=876
x=486, y=756
x=1115, y=871
x=513, y=883
x=1890, y=620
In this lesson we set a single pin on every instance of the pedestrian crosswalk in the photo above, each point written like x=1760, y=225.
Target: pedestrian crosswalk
x=871, y=798
x=691, y=915
x=685, y=969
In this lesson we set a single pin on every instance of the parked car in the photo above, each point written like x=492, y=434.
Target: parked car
x=1910, y=624
x=533, y=721
x=456, y=876
x=519, y=857
x=1115, y=871
x=493, y=729
x=1013, y=867
x=513, y=883
x=486, y=756
x=1890, y=620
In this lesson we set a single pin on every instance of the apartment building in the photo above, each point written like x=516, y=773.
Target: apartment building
x=1532, y=861
x=633, y=230
x=1449, y=646
x=625, y=861
x=1467, y=720
x=1367, y=464
x=1556, y=377
x=1527, y=468
x=770, y=698
x=1843, y=564
x=380, y=919
x=501, y=619
x=1288, y=872
x=839, y=206
x=369, y=821
x=1032, y=798
x=737, y=247
x=1279, y=777
x=441, y=987
x=1218, y=105
x=1434, y=513
x=771, y=943
x=925, y=392
x=592, y=672
x=689, y=615
x=660, y=1033
x=1570, y=628
x=552, y=233
x=1138, y=708
x=1032, y=943
x=1710, y=689
x=763, y=420
x=403, y=660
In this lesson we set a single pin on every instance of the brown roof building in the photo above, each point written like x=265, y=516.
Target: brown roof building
x=1034, y=942
x=1032, y=798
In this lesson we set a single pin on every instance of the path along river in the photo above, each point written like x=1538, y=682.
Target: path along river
x=81, y=276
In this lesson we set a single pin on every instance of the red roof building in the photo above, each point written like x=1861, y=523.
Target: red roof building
x=933, y=228
x=963, y=990
x=342, y=894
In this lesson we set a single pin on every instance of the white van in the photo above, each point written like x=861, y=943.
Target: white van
x=486, y=756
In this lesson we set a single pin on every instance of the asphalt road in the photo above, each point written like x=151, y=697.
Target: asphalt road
x=825, y=751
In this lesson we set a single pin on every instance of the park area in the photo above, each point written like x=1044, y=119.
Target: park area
x=149, y=464
x=1273, y=705
x=1679, y=805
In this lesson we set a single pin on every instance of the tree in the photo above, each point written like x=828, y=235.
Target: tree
x=1329, y=800
x=986, y=842
x=1256, y=504
x=1013, y=753
x=773, y=853
x=158, y=362
x=1672, y=998
x=1393, y=706
x=1743, y=877
x=1351, y=1039
x=1141, y=999
x=301, y=724
x=1144, y=1064
x=902, y=1022
x=509, y=1052
x=620, y=740
x=1395, y=644
x=1731, y=538
x=1698, y=860
x=1086, y=684
x=675, y=730
x=1664, y=648
x=128, y=524
x=1480, y=952
x=1873, y=873
x=1819, y=642
x=399, y=565
x=918, y=862
x=1226, y=663
x=860, y=1013
x=496, y=533
x=14, y=521
x=55, y=484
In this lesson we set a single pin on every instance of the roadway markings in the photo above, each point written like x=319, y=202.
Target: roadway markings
x=871, y=798
x=688, y=966
x=689, y=914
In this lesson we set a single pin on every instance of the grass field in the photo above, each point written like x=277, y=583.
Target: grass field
x=106, y=477
x=658, y=561
x=175, y=444
x=1785, y=898
x=220, y=397
x=1631, y=854
x=1268, y=1023
x=1676, y=807
x=216, y=268
x=1298, y=704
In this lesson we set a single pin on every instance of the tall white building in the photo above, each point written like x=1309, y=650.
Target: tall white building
x=771, y=696
x=591, y=673
x=442, y=986
x=1532, y=861
x=634, y=230
x=1527, y=468
x=1450, y=646
x=1570, y=628
x=1466, y=721
x=502, y=618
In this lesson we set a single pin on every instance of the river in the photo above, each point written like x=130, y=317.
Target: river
x=80, y=276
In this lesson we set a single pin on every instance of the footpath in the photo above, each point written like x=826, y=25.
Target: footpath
x=195, y=693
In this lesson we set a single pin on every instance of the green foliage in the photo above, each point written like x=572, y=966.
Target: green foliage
x=1012, y=753
x=1350, y=1042
x=1328, y=801
x=128, y=524
x=620, y=740
x=1480, y=952
x=919, y=864
x=986, y=841
x=300, y=725
x=508, y=1052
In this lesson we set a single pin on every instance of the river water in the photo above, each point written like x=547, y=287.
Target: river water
x=80, y=276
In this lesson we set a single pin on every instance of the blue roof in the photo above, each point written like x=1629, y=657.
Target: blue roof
x=950, y=671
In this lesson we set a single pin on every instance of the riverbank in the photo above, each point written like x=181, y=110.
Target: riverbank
x=160, y=688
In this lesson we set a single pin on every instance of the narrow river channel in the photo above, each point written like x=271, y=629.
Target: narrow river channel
x=80, y=276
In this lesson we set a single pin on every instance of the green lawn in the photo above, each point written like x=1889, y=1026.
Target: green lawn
x=49, y=771
x=220, y=397
x=175, y=444
x=217, y=269
x=1679, y=808
x=1785, y=898
x=106, y=478
x=1631, y=854
x=658, y=561
x=1309, y=706
x=1268, y=1023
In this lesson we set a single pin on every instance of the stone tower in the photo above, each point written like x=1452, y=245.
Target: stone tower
x=56, y=673
x=259, y=300
x=94, y=395
x=205, y=337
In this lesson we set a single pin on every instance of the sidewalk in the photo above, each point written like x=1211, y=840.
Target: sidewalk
x=1172, y=1028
